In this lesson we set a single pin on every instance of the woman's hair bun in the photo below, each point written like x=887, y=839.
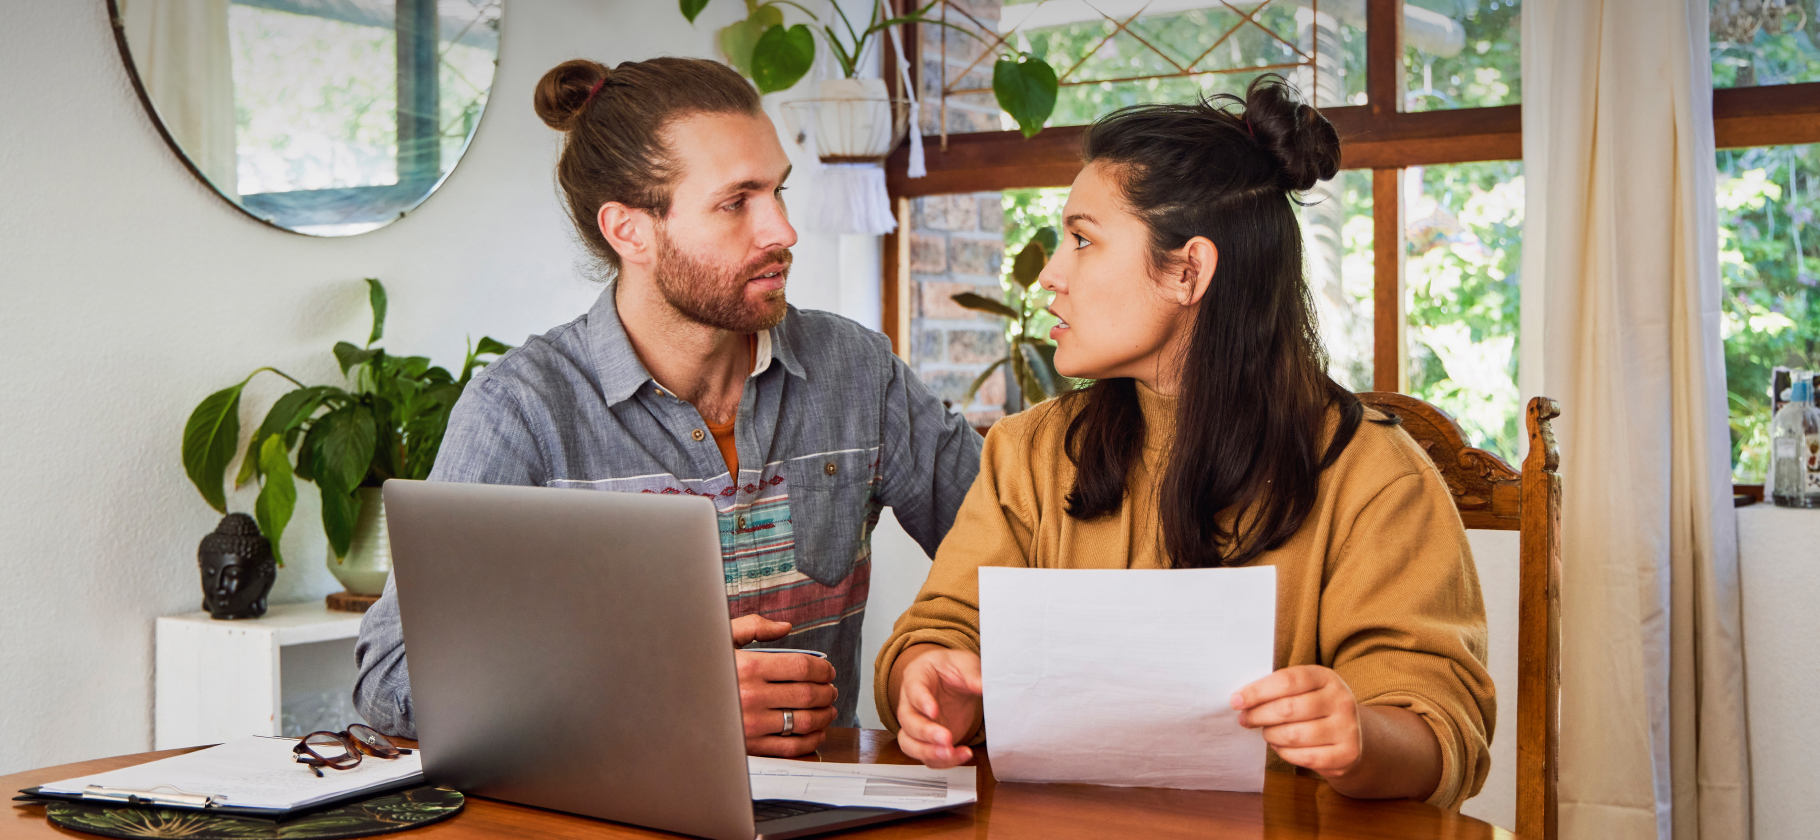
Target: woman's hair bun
x=563, y=92
x=1304, y=143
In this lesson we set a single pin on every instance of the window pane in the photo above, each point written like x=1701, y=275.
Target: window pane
x=1769, y=268
x=1464, y=238
x=1336, y=238
x=1461, y=54
x=1171, y=52
x=1771, y=42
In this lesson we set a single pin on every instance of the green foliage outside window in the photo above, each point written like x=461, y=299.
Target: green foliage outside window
x=1486, y=72
x=1769, y=263
x=1464, y=241
x=1784, y=52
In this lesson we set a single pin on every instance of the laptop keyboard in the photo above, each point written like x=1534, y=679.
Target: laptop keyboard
x=777, y=809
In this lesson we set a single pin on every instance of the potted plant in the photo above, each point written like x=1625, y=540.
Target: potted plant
x=1031, y=356
x=776, y=57
x=385, y=421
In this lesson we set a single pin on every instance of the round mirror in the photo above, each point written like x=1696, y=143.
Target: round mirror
x=325, y=117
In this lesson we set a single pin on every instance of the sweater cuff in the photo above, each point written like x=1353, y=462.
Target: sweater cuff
x=1452, y=790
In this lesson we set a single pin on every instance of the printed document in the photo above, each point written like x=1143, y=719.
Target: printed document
x=1125, y=676
x=253, y=773
x=905, y=787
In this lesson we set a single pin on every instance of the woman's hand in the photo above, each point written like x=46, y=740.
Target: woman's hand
x=1310, y=718
x=937, y=703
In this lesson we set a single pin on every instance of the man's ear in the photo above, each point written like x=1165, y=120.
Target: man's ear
x=1195, y=264
x=629, y=230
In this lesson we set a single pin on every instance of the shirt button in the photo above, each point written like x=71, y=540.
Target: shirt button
x=698, y=435
x=741, y=521
x=829, y=469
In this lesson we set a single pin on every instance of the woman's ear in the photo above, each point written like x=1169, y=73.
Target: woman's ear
x=1195, y=264
x=628, y=230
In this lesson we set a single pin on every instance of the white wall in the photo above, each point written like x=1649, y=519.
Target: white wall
x=130, y=291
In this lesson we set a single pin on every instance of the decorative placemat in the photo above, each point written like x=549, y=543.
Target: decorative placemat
x=349, y=602
x=400, y=811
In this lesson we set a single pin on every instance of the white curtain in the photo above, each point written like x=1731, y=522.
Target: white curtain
x=181, y=53
x=1621, y=324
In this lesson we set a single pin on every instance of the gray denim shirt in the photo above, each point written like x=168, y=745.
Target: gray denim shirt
x=831, y=427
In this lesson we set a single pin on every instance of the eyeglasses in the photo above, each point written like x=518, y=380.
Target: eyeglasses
x=343, y=750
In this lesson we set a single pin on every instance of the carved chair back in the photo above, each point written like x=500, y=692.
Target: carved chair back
x=1491, y=495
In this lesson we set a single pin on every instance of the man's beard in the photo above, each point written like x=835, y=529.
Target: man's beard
x=714, y=296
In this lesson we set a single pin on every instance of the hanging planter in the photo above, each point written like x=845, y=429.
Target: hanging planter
x=850, y=128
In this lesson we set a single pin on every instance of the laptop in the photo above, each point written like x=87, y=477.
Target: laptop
x=569, y=649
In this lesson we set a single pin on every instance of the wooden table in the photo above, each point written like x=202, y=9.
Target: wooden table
x=1290, y=808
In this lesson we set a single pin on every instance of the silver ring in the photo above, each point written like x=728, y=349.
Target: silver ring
x=789, y=722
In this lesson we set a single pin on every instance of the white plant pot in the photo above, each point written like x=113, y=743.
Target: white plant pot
x=853, y=120
x=369, y=561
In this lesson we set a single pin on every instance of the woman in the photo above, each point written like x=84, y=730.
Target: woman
x=1212, y=437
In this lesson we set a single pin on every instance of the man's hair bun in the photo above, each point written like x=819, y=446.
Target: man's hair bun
x=1304, y=143
x=563, y=92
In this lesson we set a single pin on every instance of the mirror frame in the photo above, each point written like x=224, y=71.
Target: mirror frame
x=116, y=21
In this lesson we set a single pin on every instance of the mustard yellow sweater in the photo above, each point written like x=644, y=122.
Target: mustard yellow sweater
x=1378, y=584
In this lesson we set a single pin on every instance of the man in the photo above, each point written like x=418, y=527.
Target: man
x=692, y=375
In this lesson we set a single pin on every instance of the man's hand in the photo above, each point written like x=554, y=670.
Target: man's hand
x=770, y=683
x=1309, y=717
x=938, y=703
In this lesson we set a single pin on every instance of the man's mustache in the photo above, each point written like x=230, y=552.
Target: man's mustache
x=778, y=260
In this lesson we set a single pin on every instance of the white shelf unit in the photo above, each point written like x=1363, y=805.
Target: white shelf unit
x=220, y=680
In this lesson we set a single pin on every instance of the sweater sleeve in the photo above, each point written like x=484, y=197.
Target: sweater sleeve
x=993, y=527
x=1403, y=623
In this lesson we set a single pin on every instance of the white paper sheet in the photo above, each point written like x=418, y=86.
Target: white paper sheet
x=906, y=787
x=253, y=773
x=1125, y=676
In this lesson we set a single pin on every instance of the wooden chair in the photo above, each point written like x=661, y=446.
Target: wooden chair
x=1493, y=496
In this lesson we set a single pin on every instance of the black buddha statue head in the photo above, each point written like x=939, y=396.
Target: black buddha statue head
x=237, y=569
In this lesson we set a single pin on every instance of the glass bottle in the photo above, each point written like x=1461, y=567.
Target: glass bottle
x=1795, y=442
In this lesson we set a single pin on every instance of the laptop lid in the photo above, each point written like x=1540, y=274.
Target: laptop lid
x=569, y=649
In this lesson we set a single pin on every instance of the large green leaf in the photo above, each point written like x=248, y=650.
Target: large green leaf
x=782, y=56
x=209, y=439
x=1027, y=382
x=344, y=452
x=1048, y=238
x=1039, y=356
x=1025, y=86
x=980, y=381
x=1029, y=264
x=691, y=8
x=339, y=510
x=291, y=410
x=347, y=355
x=491, y=346
x=376, y=296
x=981, y=303
x=278, y=497
x=738, y=39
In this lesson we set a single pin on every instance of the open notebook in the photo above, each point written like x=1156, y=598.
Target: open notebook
x=252, y=776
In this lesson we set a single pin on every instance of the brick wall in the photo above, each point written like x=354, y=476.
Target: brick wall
x=957, y=241
x=957, y=245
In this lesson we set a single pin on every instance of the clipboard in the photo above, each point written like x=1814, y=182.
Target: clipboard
x=251, y=777
x=169, y=797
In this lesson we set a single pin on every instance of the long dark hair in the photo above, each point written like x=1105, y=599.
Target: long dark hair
x=1246, y=459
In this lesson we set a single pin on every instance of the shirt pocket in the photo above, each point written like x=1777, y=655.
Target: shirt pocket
x=829, y=499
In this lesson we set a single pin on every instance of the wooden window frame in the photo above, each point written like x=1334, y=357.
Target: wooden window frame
x=1379, y=136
